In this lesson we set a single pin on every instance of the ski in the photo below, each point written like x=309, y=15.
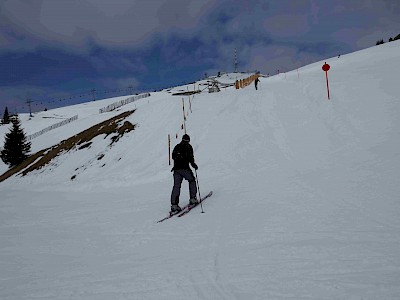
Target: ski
x=185, y=209
x=170, y=215
x=190, y=207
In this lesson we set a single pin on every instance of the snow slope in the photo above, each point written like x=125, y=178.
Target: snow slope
x=305, y=202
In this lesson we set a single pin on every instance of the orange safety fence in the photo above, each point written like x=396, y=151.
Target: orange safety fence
x=242, y=83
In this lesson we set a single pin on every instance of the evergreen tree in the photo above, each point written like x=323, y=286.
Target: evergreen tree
x=16, y=147
x=380, y=42
x=6, y=116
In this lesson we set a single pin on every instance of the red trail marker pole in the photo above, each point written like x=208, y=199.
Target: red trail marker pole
x=326, y=68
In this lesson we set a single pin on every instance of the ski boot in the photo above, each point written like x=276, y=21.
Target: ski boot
x=175, y=208
x=193, y=202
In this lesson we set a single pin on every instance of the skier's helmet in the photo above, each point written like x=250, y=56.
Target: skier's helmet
x=186, y=138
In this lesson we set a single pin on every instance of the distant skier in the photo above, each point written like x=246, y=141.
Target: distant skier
x=256, y=82
x=183, y=156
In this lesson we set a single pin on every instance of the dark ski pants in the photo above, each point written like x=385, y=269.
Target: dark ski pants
x=176, y=190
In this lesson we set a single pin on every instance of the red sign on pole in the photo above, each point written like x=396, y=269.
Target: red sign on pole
x=326, y=68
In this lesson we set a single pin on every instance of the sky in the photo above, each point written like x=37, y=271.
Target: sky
x=57, y=53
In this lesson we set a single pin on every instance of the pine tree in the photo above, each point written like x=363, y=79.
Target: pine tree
x=16, y=147
x=380, y=42
x=6, y=116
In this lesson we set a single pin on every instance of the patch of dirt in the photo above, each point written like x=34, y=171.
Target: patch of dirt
x=126, y=127
x=87, y=145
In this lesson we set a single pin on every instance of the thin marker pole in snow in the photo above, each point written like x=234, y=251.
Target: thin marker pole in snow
x=169, y=149
x=184, y=117
x=198, y=188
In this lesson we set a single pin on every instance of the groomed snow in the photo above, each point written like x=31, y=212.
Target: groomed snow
x=305, y=204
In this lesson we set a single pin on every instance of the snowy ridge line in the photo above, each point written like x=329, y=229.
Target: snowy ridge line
x=115, y=105
x=35, y=135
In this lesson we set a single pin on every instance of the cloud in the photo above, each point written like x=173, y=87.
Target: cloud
x=125, y=82
x=118, y=62
x=315, y=8
x=270, y=59
x=118, y=23
x=45, y=66
x=287, y=25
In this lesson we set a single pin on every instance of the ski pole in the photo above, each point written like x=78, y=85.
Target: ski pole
x=198, y=188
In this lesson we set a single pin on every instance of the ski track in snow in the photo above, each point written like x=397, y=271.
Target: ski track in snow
x=305, y=202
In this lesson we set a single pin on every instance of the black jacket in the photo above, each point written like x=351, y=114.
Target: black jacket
x=182, y=156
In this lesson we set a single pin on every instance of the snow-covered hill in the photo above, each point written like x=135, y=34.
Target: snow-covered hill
x=305, y=200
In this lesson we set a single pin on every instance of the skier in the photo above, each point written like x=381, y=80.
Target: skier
x=183, y=156
x=256, y=82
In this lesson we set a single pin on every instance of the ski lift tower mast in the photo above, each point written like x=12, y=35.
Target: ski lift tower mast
x=236, y=63
x=29, y=101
